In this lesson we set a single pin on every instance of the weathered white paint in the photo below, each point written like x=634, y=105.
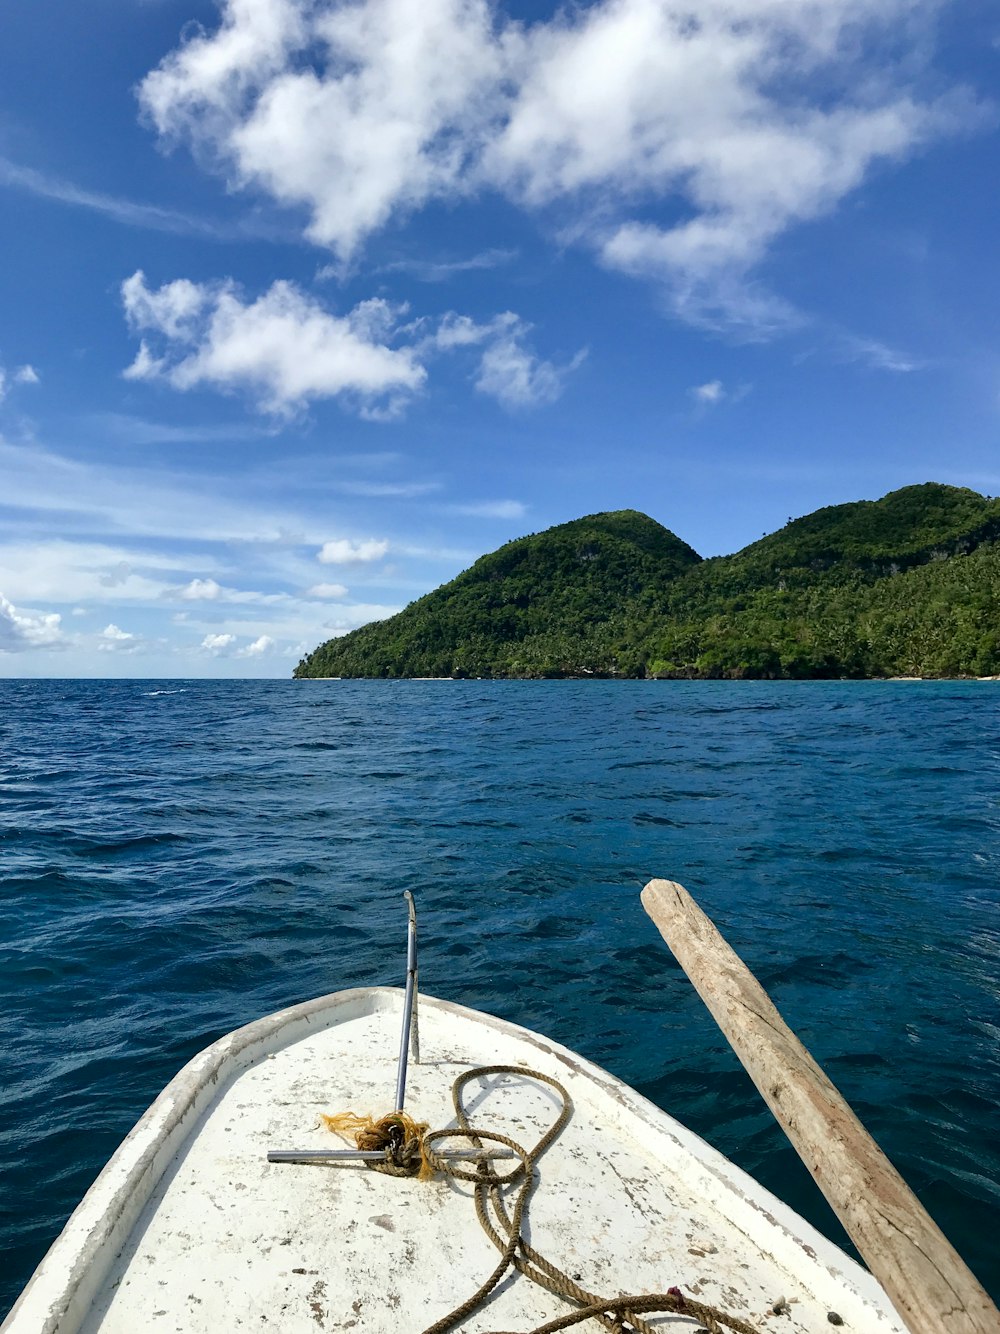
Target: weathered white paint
x=189, y=1229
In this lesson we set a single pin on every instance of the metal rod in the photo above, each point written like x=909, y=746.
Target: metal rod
x=372, y=1155
x=409, y=1002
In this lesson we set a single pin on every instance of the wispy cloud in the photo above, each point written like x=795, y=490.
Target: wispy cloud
x=387, y=490
x=879, y=356
x=492, y=509
x=23, y=375
x=122, y=500
x=440, y=271
x=713, y=392
x=154, y=217
x=140, y=431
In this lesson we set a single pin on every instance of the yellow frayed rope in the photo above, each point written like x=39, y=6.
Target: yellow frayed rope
x=396, y=1135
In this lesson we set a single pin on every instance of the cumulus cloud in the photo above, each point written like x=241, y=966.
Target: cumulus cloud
x=20, y=630
x=218, y=643
x=284, y=348
x=199, y=590
x=395, y=96
x=327, y=591
x=343, y=551
x=113, y=640
x=677, y=141
x=259, y=646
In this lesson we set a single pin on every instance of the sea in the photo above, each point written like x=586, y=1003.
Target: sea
x=180, y=857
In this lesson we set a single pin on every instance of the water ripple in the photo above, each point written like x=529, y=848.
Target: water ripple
x=180, y=858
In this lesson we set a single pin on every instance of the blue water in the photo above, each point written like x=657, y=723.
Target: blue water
x=181, y=857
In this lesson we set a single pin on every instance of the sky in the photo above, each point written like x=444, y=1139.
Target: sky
x=307, y=304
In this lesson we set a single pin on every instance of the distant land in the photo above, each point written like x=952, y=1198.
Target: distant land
x=908, y=585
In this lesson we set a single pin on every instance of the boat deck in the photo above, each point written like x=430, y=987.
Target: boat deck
x=190, y=1229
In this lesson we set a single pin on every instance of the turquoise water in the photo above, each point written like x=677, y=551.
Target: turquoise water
x=181, y=857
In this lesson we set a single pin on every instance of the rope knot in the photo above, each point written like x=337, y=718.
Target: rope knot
x=397, y=1136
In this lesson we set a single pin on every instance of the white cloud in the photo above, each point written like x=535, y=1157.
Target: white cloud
x=714, y=392
x=200, y=590
x=286, y=349
x=218, y=643
x=113, y=640
x=393, y=96
x=517, y=378
x=508, y=370
x=210, y=590
x=735, y=120
x=172, y=310
x=20, y=630
x=879, y=356
x=343, y=551
x=493, y=509
x=259, y=646
x=405, y=490
x=23, y=375
x=283, y=347
x=329, y=592
x=359, y=613
x=139, y=431
x=128, y=211
x=439, y=271
x=85, y=496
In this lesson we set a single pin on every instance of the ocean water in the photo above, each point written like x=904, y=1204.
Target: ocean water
x=181, y=857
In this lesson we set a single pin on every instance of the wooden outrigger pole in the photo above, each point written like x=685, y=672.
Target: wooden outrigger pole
x=930, y=1286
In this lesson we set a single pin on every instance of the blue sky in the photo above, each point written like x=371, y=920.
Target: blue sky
x=306, y=304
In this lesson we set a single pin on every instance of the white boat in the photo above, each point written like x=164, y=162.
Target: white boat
x=190, y=1228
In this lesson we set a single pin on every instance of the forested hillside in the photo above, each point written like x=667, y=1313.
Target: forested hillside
x=906, y=585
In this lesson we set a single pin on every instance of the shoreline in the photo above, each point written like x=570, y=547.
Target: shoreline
x=719, y=680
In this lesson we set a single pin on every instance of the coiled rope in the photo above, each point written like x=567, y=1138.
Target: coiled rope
x=409, y=1151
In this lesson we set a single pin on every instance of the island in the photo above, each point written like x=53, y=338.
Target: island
x=908, y=585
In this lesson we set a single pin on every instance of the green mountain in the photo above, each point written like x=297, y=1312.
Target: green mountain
x=905, y=585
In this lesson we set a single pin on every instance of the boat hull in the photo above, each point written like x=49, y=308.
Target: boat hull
x=190, y=1228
